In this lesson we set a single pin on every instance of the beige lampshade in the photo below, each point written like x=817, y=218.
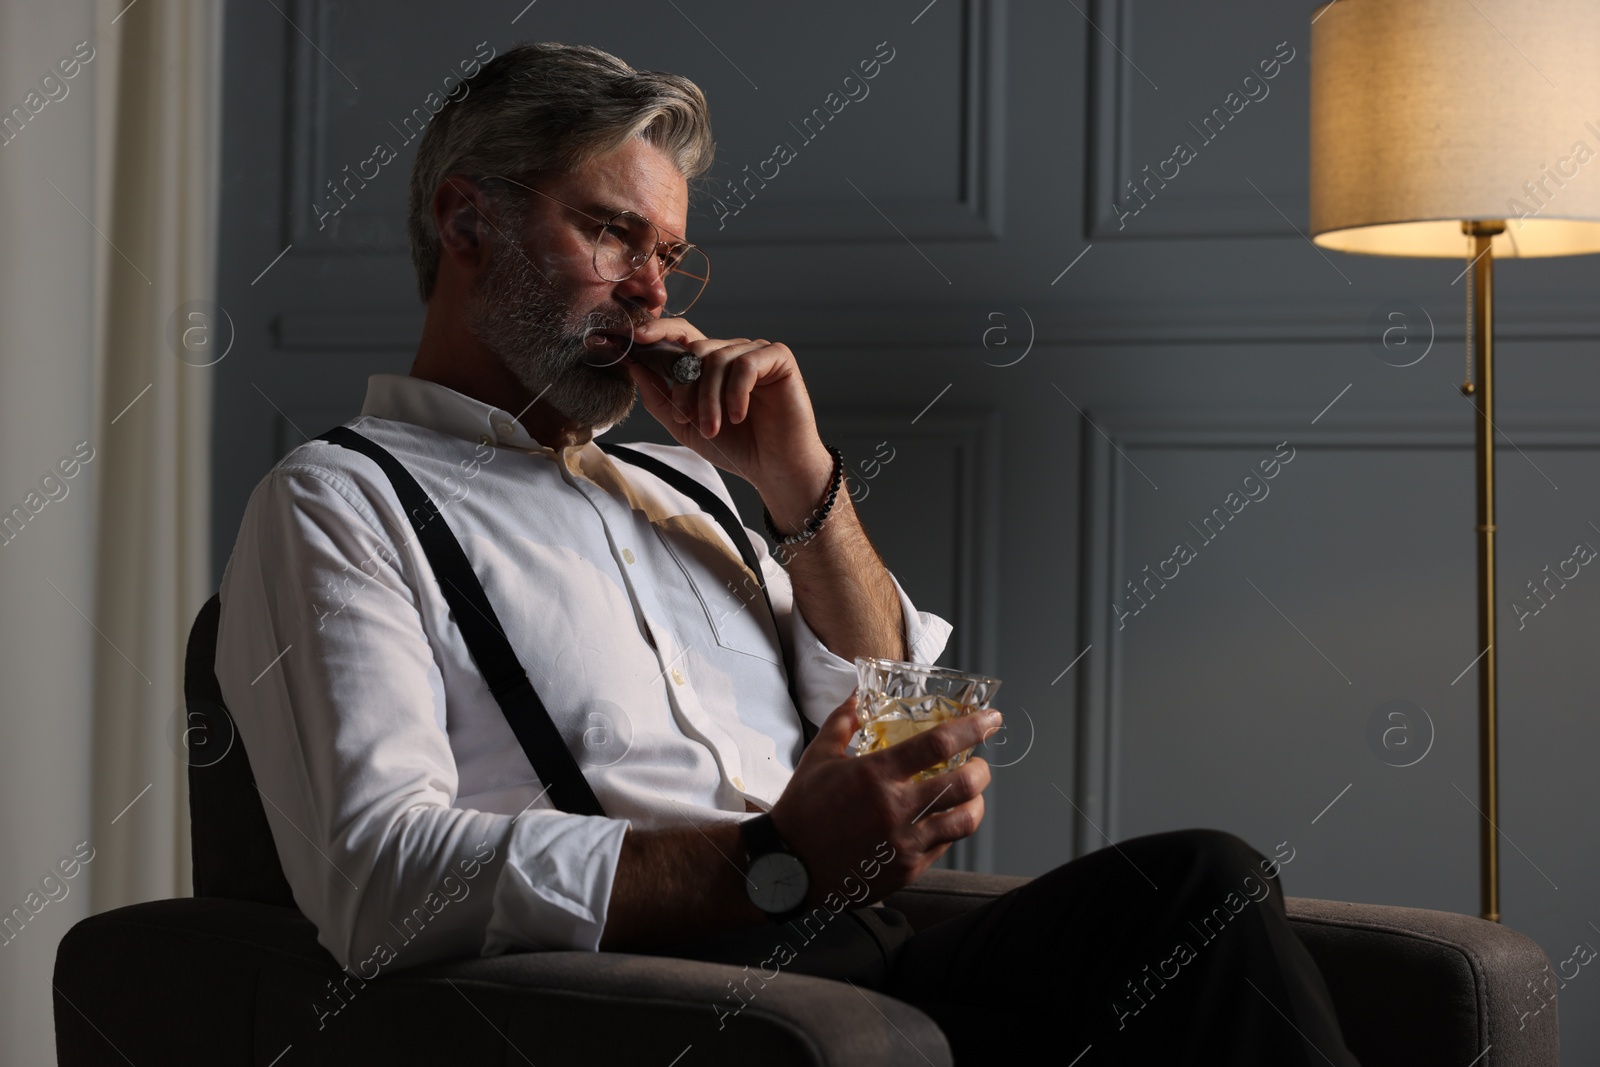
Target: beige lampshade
x=1425, y=113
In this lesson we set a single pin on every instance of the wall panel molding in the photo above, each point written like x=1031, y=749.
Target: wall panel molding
x=976, y=213
x=1110, y=166
x=1108, y=433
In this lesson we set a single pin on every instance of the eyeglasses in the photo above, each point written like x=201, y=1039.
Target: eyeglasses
x=627, y=241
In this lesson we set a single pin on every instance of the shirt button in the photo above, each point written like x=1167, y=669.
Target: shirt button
x=627, y=554
x=485, y=439
x=506, y=428
x=738, y=783
x=677, y=675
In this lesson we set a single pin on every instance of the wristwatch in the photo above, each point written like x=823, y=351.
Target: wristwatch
x=775, y=878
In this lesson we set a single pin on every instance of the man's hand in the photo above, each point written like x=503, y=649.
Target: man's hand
x=837, y=809
x=748, y=413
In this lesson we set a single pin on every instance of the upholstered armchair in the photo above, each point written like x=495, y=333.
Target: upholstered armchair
x=234, y=975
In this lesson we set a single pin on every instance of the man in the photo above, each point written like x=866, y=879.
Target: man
x=548, y=220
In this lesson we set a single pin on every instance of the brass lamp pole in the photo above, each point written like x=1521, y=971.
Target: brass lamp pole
x=1482, y=234
x=1427, y=123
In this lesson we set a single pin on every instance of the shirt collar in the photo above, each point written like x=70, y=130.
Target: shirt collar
x=406, y=398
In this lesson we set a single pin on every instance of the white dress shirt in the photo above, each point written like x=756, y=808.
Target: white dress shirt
x=409, y=821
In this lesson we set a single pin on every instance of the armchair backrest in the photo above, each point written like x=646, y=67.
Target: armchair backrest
x=232, y=847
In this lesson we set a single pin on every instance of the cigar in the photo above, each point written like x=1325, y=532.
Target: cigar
x=669, y=359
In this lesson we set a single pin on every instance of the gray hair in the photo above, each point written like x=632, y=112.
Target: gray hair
x=547, y=107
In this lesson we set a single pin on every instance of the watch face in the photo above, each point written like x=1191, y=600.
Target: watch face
x=777, y=882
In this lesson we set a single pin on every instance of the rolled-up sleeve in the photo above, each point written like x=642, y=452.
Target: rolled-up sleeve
x=326, y=667
x=824, y=680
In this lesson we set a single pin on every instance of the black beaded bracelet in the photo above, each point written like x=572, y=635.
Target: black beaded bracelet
x=820, y=515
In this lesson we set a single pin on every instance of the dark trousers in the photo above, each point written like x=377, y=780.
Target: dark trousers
x=1167, y=949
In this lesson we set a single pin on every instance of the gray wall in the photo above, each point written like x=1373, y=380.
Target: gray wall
x=915, y=253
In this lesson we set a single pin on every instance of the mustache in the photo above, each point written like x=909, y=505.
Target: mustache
x=602, y=320
x=606, y=321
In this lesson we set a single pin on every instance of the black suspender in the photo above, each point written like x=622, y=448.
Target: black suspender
x=508, y=680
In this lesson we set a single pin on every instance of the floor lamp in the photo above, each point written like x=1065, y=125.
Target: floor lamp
x=1460, y=128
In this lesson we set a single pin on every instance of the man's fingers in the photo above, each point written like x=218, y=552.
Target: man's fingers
x=652, y=390
x=682, y=400
x=709, y=390
x=944, y=791
x=951, y=824
x=742, y=377
x=834, y=734
x=667, y=329
x=655, y=392
x=939, y=743
x=839, y=725
x=722, y=392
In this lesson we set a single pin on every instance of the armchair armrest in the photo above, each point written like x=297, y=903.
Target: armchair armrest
x=1411, y=986
x=943, y=894
x=209, y=981
x=1414, y=986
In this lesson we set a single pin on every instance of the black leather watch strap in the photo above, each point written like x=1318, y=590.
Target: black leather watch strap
x=761, y=837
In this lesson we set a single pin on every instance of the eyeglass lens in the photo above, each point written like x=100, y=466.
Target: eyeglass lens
x=628, y=242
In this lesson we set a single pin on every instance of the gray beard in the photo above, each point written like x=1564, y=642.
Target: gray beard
x=518, y=314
